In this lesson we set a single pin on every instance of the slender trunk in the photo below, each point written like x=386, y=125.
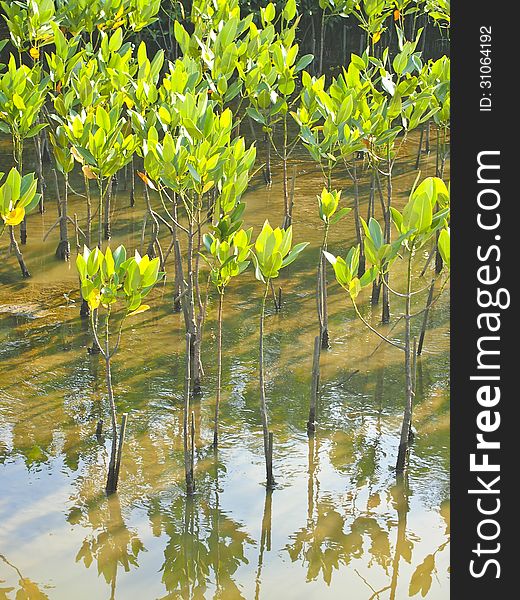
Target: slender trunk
x=376, y=291
x=132, y=183
x=108, y=197
x=371, y=197
x=63, y=249
x=291, y=195
x=88, y=232
x=287, y=208
x=268, y=174
x=192, y=329
x=425, y=318
x=122, y=432
x=419, y=149
x=100, y=213
x=323, y=311
x=407, y=416
x=23, y=224
x=219, y=366
x=190, y=487
x=385, y=316
x=359, y=236
x=263, y=406
x=177, y=305
x=376, y=284
x=313, y=40
x=183, y=300
x=311, y=423
x=39, y=169
x=16, y=249
x=444, y=153
x=111, y=479
x=437, y=153
x=200, y=305
x=414, y=384
x=322, y=41
x=155, y=227
x=23, y=231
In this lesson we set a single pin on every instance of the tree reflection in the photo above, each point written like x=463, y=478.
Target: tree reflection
x=323, y=544
x=422, y=577
x=403, y=546
x=205, y=546
x=26, y=589
x=113, y=545
x=265, y=538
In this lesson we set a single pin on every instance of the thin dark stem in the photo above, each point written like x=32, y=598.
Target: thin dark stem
x=219, y=365
x=263, y=405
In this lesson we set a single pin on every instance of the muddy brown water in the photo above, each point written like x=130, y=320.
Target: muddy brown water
x=337, y=523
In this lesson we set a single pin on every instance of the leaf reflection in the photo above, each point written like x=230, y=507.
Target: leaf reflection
x=112, y=545
x=205, y=547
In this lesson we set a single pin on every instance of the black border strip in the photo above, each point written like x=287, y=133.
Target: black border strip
x=474, y=131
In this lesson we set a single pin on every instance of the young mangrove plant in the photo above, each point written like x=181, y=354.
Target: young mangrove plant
x=270, y=70
x=108, y=147
x=272, y=252
x=22, y=94
x=229, y=252
x=18, y=197
x=417, y=224
x=110, y=280
x=208, y=172
x=328, y=203
x=65, y=163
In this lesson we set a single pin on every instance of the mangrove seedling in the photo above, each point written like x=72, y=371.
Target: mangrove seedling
x=328, y=203
x=65, y=164
x=22, y=94
x=109, y=279
x=417, y=224
x=18, y=196
x=272, y=252
x=228, y=259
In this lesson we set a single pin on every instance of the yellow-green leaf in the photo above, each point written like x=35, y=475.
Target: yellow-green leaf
x=15, y=216
x=141, y=309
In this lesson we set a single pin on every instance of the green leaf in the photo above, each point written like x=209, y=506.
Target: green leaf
x=444, y=246
x=116, y=40
x=293, y=254
x=417, y=214
x=109, y=262
x=94, y=262
x=289, y=10
x=141, y=309
x=119, y=256
x=342, y=212
x=18, y=102
x=269, y=12
x=368, y=276
x=255, y=115
x=81, y=266
x=303, y=62
x=376, y=233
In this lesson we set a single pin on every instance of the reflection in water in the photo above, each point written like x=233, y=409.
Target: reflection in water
x=25, y=588
x=204, y=545
x=338, y=519
x=112, y=544
x=403, y=546
x=265, y=538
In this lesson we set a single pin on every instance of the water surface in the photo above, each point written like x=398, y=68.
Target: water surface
x=337, y=523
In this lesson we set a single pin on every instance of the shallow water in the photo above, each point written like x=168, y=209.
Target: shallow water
x=337, y=521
